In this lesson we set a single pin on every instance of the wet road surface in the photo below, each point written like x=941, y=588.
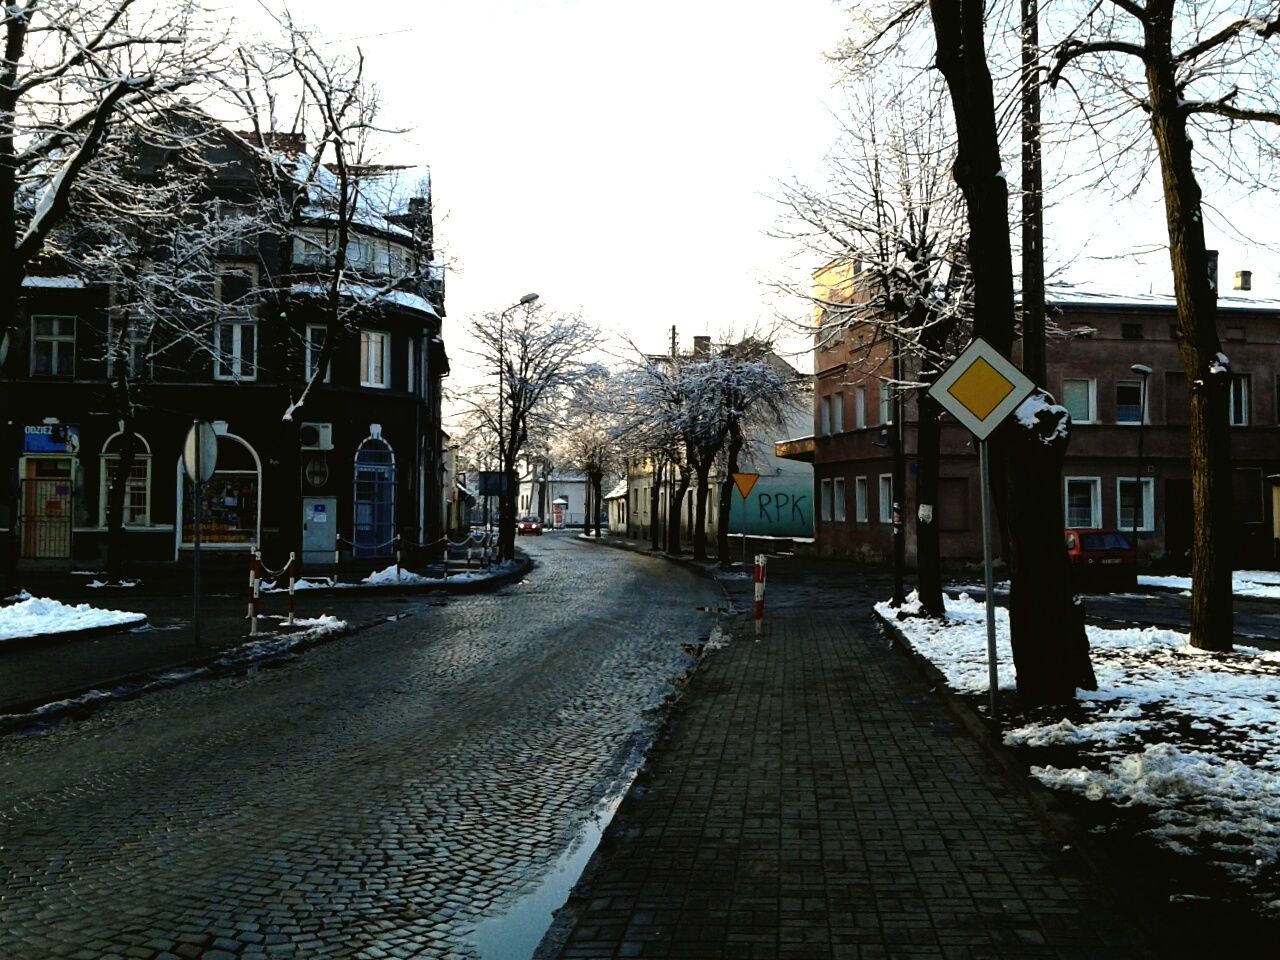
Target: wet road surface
x=396, y=793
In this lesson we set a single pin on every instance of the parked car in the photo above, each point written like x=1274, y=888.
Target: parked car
x=529, y=526
x=1102, y=559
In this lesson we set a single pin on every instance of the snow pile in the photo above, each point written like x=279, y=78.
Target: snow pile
x=1261, y=584
x=35, y=616
x=389, y=576
x=1185, y=733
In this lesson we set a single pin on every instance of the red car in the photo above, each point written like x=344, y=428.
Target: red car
x=1102, y=559
x=529, y=526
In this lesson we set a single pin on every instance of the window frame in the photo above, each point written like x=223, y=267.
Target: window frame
x=311, y=353
x=860, y=514
x=885, y=506
x=837, y=412
x=1148, y=505
x=139, y=459
x=237, y=374
x=59, y=342
x=840, y=507
x=825, y=499
x=1091, y=386
x=1144, y=403
x=1095, y=502
x=136, y=343
x=885, y=405
x=860, y=407
x=1246, y=396
x=366, y=355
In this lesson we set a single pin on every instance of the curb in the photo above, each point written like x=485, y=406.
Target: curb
x=67, y=636
x=1154, y=917
x=696, y=566
x=17, y=717
x=524, y=566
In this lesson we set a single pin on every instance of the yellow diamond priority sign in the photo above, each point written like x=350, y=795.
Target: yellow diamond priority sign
x=981, y=388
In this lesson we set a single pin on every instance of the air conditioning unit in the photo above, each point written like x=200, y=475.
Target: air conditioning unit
x=316, y=436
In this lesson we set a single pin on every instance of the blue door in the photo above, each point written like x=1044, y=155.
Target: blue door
x=375, y=500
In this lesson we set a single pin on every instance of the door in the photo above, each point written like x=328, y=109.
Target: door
x=319, y=531
x=47, y=509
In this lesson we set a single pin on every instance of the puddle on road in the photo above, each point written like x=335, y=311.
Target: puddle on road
x=515, y=934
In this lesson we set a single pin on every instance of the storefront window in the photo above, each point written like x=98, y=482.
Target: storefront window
x=229, y=501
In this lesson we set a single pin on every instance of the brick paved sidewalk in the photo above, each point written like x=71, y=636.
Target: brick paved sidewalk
x=813, y=800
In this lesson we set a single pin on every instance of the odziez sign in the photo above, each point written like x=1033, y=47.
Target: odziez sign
x=51, y=438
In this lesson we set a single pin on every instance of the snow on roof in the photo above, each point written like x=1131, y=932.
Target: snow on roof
x=63, y=283
x=619, y=490
x=1066, y=296
x=364, y=292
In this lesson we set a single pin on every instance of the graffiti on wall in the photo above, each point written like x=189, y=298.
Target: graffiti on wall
x=777, y=507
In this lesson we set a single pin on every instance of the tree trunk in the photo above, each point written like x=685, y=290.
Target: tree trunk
x=655, y=506
x=928, y=551
x=598, y=481
x=1212, y=625
x=673, y=514
x=1047, y=630
x=726, y=498
x=116, y=493
x=700, y=513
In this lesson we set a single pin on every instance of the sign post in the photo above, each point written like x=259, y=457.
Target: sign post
x=745, y=482
x=199, y=458
x=980, y=389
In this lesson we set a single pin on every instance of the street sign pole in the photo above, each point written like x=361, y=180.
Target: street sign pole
x=198, y=487
x=984, y=478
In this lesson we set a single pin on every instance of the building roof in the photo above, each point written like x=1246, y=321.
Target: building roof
x=1067, y=296
x=619, y=490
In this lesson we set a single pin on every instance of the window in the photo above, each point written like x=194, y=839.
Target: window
x=825, y=489
x=1129, y=401
x=837, y=493
x=1131, y=331
x=1239, y=399
x=374, y=370
x=133, y=351
x=238, y=229
x=411, y=378
x=825, y=425
x=886, y=404
x=236, y=351
x=315, y=344
x=886, y=498
x=860, y=499
x=137, y=492
x=311, y=248
x=235, y=283
x=859, y=407
x=53, y=346
x=837, y=413
x=1079, y=397
x=1127, y=502
x=1084, y=502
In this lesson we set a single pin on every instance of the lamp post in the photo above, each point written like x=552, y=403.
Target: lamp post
x=524, y=301
x=1143, y=371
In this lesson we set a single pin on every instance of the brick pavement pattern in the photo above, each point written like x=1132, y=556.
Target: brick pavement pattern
x=812, y=799
x=382, y=796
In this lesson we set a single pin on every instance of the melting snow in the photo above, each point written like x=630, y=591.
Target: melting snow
x=35, y=616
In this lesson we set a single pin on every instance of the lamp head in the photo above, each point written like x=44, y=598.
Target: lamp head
x=527, y=299
x=1141, y=369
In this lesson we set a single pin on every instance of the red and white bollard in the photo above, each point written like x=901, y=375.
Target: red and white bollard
x=255, y=561
x=293, y=579
x=397, y=558
x=760, y=577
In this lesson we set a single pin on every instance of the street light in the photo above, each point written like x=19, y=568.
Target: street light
x=1142, y=370
x=524, y=301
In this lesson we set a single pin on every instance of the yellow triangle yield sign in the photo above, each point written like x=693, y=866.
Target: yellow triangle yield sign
x=744, y=482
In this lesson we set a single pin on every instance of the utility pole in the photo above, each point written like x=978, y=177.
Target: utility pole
x=1034, y=363
x=896, y=438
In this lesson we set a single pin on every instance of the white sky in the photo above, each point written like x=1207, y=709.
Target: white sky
x=618, y=158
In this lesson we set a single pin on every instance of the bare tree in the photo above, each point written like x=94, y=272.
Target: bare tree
x=1050, y=647
x=588, y=437
x=1204, y=69
x=890, y=220
x=536, y=357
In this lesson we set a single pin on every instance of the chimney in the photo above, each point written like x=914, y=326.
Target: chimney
x=701, y=348
x=1244, y=279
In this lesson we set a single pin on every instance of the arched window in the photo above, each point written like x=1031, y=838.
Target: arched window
x=229, y=505
x=375, y=498
x=137, y=492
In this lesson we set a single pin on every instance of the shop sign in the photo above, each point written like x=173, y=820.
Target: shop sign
x=51, y=438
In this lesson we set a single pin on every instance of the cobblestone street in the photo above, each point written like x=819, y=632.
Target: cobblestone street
x=381, y=796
